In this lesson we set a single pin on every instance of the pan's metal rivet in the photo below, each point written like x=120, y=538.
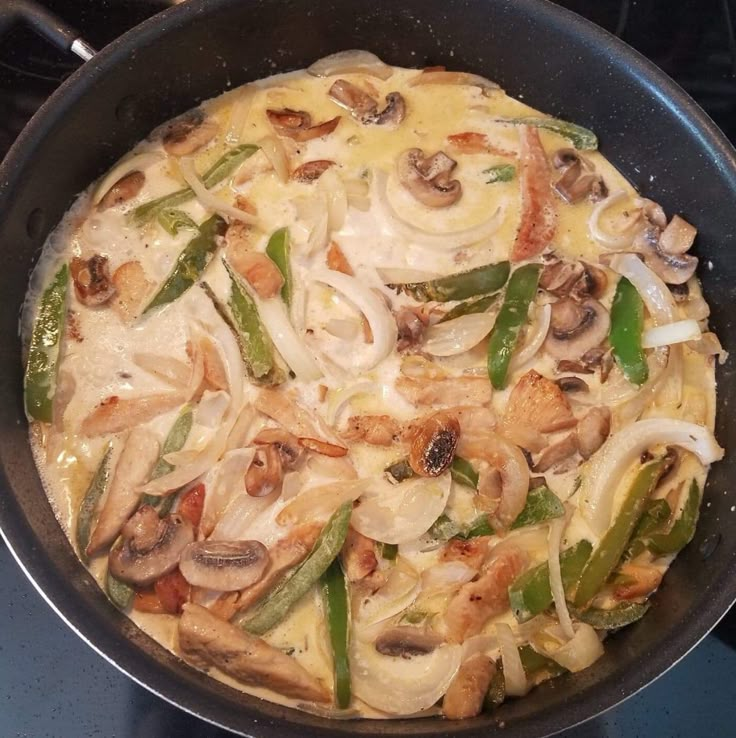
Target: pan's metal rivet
x=709, y=545
x=35, y=223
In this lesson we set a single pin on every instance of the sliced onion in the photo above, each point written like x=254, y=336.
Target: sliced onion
x=669, y=333
x=447, y=575
x=207, y=199
x=443, y=77
x=317, y=503
x=584, y=649
x=331, y=184
x=341, y=397
x=610, y=240
x=315, y=217
x=276, y=321
x=534, y=339
x=208, y=416
x=170, y=370
x=402, y=686
x=275, y=152
x=399, y=591
x=413, y=234
x=236, y=522
x=239, y=116
x=554, y=541
x=483, y=643
x=401, y=513
x=459, y=335
x=358, y=194
x=401, y=275
x=353, y=61
x=244, y=427
x=345, y=329
x=513, y=670
x=224, y=481
x=608, y=466
x=653, y=291
x=382, y=324
x=126, y=166
x=660, y=369
x=709, y=345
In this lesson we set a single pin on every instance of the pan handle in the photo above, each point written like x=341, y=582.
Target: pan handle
x=44, y=23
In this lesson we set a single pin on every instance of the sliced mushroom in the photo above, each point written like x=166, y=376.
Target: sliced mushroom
x=571, y=385
x=189, y=133
x=556, y=453
x=428, y=178
x=410, y=328
x=297, y=124
x=287, y=444
x=406, y=642
x=677, y=237
x=224, y=566
x=265, y=473
x=578, y=179
x=151, y=546
x=592, y=283
x=592, y=431
x=465, y=695
x=575, y=278
x=364, y=108
x=576, y=327
x=126, y=188
x=577, y=367
x=433, y=443
x=311, y=171
x=92, y=282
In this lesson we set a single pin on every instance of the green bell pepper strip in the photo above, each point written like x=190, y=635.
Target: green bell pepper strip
x=513, y=315
x=460, y=286
x=542, y=504
x=120, y=594
x=496, y=689
x=89, y=503
x=335, y=601
x=535, y=664
x=174, y=441
x=43, y=350
x=190, y=264
x=172, y=221
x=627, y=325
x=615, y=540
x=656, y=513
x=683, y=529
x=279, y=251
x=444, y=528
x=462, y=472
x=399, y=471
x=275, y=607
x=469, y=307
x=579, y=137
x=481, y=526
x=616, y=617
x=531, y=593
x=501, y=173
x=219, y=171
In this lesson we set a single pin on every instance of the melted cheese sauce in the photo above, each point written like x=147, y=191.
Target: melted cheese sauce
x=103, y=361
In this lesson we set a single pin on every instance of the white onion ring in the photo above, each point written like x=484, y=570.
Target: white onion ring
x=353, y=61
x=609, y=240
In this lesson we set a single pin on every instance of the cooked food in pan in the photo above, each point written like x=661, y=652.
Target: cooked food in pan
x=373, y=391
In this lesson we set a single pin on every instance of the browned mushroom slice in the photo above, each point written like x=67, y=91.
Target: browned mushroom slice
x=189, y=133
x=465, y=695
x=592, y=431
x=206, y=640
x=311, y=171
x=428, y=178
x=578, y=179
x=539, y=403
x=131, y=289
x=572, y=385
x=406, y=641
x=126, y=188
x=556, y=453
x=576, y=278
x=92, y=282
x=411, y=325
x=576, y=327
x=433, y=441
x=297, y=124
x=286, y=443
x=224, y=566
x=265, y=473
x=151, y=546
x=364, y=108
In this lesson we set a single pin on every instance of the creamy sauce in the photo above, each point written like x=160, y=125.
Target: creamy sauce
x=103, y=362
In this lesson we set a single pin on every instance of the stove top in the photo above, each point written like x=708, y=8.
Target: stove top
x=52, y=684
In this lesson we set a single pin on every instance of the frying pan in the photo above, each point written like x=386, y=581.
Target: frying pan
x=552, y=59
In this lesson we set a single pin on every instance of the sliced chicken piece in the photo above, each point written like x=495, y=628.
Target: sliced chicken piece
x=539, y=403
x=133, y=468
x=376, y=430
x=115, y=414
x=289, y=414
x=207, y=641
x=358, y=556
x=465, y=695
x=472, y=552
x=131, y=289
x=477, y=601
x=447, y=391
x=285, y=555
x=538, y=212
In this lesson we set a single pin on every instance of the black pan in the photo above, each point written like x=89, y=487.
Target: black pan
x=648, y=127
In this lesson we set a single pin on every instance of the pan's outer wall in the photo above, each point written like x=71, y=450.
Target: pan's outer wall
x=547, y=56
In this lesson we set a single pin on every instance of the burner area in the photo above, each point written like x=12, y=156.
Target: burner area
x=694, y=42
